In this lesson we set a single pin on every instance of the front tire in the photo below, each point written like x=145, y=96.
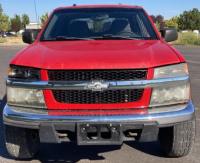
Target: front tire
x=177, y=141
x=21, y=143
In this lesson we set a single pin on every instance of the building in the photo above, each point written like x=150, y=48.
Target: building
x=33, y=26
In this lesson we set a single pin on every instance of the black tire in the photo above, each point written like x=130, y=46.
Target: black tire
x=21, y=143
x=177, y=141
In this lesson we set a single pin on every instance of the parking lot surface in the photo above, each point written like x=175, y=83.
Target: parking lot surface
x=128, y=152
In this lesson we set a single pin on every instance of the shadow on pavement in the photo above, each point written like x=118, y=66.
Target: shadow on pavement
x=70, y=152
x=150, y=148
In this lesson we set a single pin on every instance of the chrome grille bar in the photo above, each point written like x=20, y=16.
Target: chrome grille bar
x=82, y=85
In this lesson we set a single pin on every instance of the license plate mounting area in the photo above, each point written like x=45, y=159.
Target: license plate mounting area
x=99, y=134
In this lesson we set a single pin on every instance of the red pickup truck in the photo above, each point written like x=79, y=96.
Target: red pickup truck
x=98, y=75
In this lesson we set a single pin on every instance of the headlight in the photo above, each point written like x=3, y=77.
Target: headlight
x=171, y=71
x=170, y=95
x=25, y=97
x=23, y=73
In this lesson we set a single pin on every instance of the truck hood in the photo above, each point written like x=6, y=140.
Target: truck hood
x=111, y=54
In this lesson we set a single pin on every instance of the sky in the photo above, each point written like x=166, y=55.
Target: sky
x=167, y=8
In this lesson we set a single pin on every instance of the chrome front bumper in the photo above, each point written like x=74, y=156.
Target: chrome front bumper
x=163, y=116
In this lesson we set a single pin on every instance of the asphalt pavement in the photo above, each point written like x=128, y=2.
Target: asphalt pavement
x=128, y=152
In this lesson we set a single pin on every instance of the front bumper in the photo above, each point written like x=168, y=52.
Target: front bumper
x=146, y=125
x=163, y=116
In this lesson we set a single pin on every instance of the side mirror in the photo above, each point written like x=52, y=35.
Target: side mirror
x=169, y=34
x=29, y=36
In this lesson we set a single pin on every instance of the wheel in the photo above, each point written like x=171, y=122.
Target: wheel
x=21, y=143
x=177, y=141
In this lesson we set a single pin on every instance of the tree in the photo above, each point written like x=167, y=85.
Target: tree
x=189, y=20
x=5, y=23
x=17, y=20
x=15, y=27
x=9, y=26
x=25, y=20
x=120, y=3
x=159, y=19
x=153, y=18
x=175, y=19
x=44, y=18
x=157, y=26
x=1, y=11
x=171, y=24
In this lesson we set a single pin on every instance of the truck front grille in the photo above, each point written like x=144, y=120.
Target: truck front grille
x=88, y=75
x=90, y=97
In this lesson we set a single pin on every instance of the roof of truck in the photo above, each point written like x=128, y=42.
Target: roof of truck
x=94, y=6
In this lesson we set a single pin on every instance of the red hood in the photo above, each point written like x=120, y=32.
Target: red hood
x=112, y=54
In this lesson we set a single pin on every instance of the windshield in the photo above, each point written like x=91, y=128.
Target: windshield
x=98, y=23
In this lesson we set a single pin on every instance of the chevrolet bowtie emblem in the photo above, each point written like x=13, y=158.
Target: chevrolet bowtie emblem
x=97, y=86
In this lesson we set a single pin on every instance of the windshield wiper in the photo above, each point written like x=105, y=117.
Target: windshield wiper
x=109, y=36
x=61, y=38
x=106, y=36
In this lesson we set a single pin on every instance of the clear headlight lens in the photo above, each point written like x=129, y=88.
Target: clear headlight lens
x=171, y=71
x=23, y=73
x=170, y=95
x=25, y=97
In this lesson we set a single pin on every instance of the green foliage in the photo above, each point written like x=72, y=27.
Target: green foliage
x=157, y=26
x=44, y=18
x=16, y=19
x=189, y=38
x=175, y=19
x=98, y=26
x=1, y=11
x=189, y=20
x=171, y=24
x=5, y=23
x=2, y=40
x=120, y=3
x=25, y=20
x=9, y=26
